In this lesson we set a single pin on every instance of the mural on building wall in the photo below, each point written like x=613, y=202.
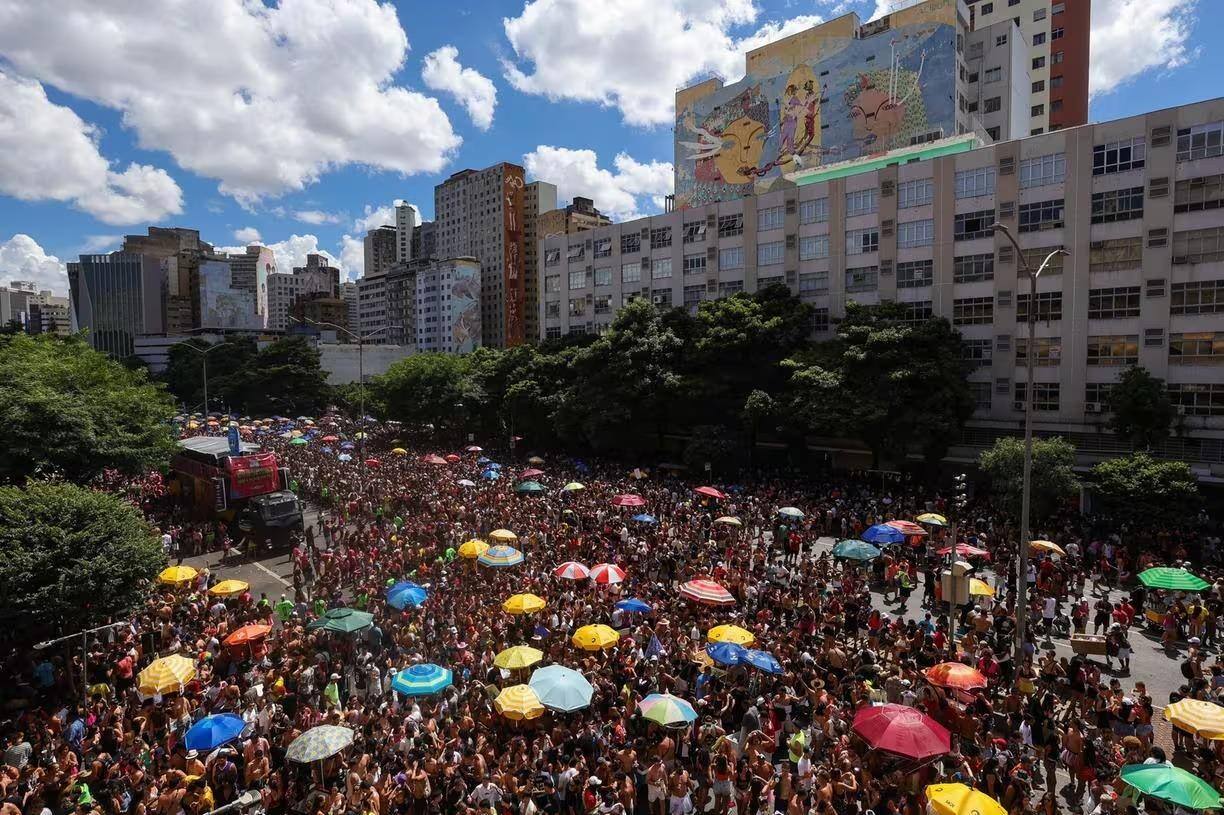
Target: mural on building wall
x=465, y=307
x=845, y=99
x=515, y=285
x=221, y=305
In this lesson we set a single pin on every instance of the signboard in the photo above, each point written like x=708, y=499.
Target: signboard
x=252, y=475
x=515, y=288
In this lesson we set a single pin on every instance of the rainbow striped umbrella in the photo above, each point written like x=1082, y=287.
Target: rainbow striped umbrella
x=501, y=555
x=667, y=710
x=707, y=592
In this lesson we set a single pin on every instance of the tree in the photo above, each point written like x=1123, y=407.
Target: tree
x=1140, y=408
x=70, y=558
x=758, y=409
x=71, y=411
x=715, y=445
x=1053, y=479
x=1146, y=492
x=184, y=374
x=429, y=389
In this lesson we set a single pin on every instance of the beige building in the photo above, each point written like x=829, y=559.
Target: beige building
x=538, y=197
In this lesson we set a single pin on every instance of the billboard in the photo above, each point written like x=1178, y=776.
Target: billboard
x=252, y=475
x=812, y=100
x=464, y=316
x=514, y=283
x=221, y=305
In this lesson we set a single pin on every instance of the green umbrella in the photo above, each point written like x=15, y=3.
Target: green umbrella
x=299, y=441
x=319, y=743
x=343, y=621
x=530, y=487
x=1169, y=783
x=855, y=550
x=1166, y=577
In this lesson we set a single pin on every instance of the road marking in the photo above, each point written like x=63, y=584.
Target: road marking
x=271, y=574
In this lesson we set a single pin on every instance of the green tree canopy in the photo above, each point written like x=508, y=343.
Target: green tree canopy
x=1053, y=480
x=1140, y=408
x=71, y=411
x=184, y=374
x=1146, y=492
x=429, y=389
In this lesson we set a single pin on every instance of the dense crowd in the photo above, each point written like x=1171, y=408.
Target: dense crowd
x=1046, y=735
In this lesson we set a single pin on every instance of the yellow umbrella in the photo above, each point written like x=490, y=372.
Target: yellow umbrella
x=174, y=575
x=519, y=702
x=518, y=657
x=729, y=521
x=1201, y=718
x=524, y=604
x=595, y=637
x=399, y=451
x=958, y=799
x=166, y=675
x=361, y=435
x=297, y=434
x=731, y=633
x=503, y=535
x=1046, y=546
x=228, y=588
x=473, y=549
x=980, y=588
x=933, y=518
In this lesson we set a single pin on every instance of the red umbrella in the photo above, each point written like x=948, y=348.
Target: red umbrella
x=433, y=458
x=902, y=730
x=530, y=472
x=704, y=590
x=956, y=675
x=710, y=492
x=330, y=439
x=372, y=462
x=252, y=632
x=965, y=550
x=908, y=528
x=452, y=458
x=572, y=570
x=629, y=500
x=607, y=573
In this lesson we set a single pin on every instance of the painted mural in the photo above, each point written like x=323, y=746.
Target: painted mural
x=844, y=99
x=515, y=284
x=465, y=307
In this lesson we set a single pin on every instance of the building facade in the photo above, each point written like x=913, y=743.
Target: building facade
x=538, y=197
x=348, y=293
x=50, y=316
x=577, y=216
x=448, y=306
x=116, y=298
x=381, y=246
x=372, y=308
x=179, y=252
x=223, y=305
x=1139, y=203
x=249, y=272
x=317, y=278
x=407, y=221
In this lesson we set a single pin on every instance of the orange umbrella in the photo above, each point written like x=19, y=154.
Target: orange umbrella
x=956, y=675
x=908, y=528
x=248, y=634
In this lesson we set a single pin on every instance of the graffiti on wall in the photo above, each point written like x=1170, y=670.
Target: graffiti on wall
x=515, y=285
x=465, y=307
x=845, y=98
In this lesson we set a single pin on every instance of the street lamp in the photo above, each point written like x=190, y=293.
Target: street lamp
x=84, y=635
x=1022, y=565
x=959, y=500
x=203, y=352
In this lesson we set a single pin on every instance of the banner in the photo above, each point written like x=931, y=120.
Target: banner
x=252, y=475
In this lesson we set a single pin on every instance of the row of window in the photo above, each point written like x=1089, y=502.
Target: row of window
x=1195, y=399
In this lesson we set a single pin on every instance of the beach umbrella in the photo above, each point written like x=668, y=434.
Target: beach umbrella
x=530, y=488
x=228, y=588
x=883, y=534
x=166, y=675
x=902, y=730
x=535, y=460
x=173, y=575
x=932, y=519
x=727, y=520
x=248, y=634
x=644, y=518
x=490, y=475
x=294, y=434
x=344, y=457
x=405, y=594
x=607, y=574
x=1046, y=546
x=791, y=512
x=424, y=679
x=501, y=555
x=360, y=434
x=433, y=458
x=347, y=445
x=503, y=536
x=298, y=442
x=855, y=550
x=473, y=549
x=909, y=528
x=342, y=621
x=1172, y=784
x=595, y=637
x=530, y=472
x=466, y=482
x=560, y=688
x=1205, y=719
x=710, y=492
x=572, y=570
x=319, y=743
x=980, y=588
x=762, y=661
x=372, y=462
x=956, y=675
x=330, y=439
x=573, y=486
x=667, y=710
x=958, y=799
x=518, y=657
x=399, y=451
x=519, y=702
x=452, y=458
x=730, y=633
x=213, y=731
x=523, y=604
x=726, y=653
x=965, y=550
x=472, y=448
x=1166, y=577
x=707, y=592
x=635, y=605
x=628, y=500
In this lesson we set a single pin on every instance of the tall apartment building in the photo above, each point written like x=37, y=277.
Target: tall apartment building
x=448, y=310
x=1138, y=202
x=425, y=241
x=407, y=221
x=381, y=245
x=348, y=293
x=179, y=252
x=116, y=298
x=577, y=216
x=249, y=272
x=222, y=305
x=317, y=279
x=538, y=197
x=399, y=297
x=480, y=214
x=1055, y=36
x=372, y=308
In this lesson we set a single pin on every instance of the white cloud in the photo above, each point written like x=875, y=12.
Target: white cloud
x=21, y=258
x=632, y=54
x=94, y=244
x=352, y=256
x=1130, y=37
x=577, y=172
x=317, y=217
x=290, y=252
x=278, y=96
x=248, y=234
x=375, y=217
x=475, y=91
x=47, y=152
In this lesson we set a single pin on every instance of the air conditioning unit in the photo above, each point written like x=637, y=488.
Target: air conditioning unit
x=1018, y=405
x=1092, y=407
x=1180, y=260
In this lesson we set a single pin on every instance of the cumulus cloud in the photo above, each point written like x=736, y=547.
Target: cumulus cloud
x=47, y=152
x=278, y=96
x=290, y=252
x=577, y=172
x=1130, y=37
x=475, y=91
x=317, y=217
x=94, y=244
x=632, y=54
x=352, y=256
x=248, y=234
x=375, y=217
x=21, y=258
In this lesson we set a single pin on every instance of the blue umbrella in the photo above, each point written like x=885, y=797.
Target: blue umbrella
x=726, y=653
x=425, y=679
x=634, y=604
x=483, y=460
x=406, y=594
x=328, y=450
x=883, y=534
x=344, y=457
x=492, y=465
x=561, y=688
x=762, y=660
x=490, y=475
x=645, y=519
x=211, y=732
x=347, y=445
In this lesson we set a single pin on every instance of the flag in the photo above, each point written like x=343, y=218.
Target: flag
x=654, y=648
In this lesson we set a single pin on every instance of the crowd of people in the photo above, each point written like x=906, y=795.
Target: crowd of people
x=1046, y=735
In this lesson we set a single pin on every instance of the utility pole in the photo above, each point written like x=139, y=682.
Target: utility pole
x=84, y=635
x=203, y=352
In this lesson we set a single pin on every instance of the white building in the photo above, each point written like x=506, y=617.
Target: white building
x=407, y=219
x=447, y=315
x=316, y=278
x=348, y=293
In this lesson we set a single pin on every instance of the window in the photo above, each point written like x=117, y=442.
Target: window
x=1041, y=215
x=981, y=395
x=915, y=273
x=1039, y=38
x=552, y=283
x=973, y=311
x=631, y=243
x=660, y=268
x=730, y=225
x=1038, y=63
x=773, y=280
x=730, y=287
x=1046, y=351
x=553, y=332
x=1000, y=40
x=917, y=312
x=602, y=248
x=661, y=297
x=578, y=330
x=1036, y=255
x=1117, y=205
x=1049, y=306
x=1058, y=57
x=577, y=253
x=972, y=268
x=695, y=264
x=814, y=212
x=660, y=238
x=1055, y=82
x=694, y=231
x=1113, y=303
x=552, y=257
x=992, y=105
x=987, y=8
x=860, y=241
x=813, y=247
x=1045, y=395
x=771, y=218
x=1058, y=8
x=993, y=133
x=631, y=272
x=820, y=320
x=731, y=258
x=769, y=254
x=1115, y=255
x=1042, y=170
x=970, y=225
x=992, y=75
x=1198, y=297
x=1039, y=86
x=915, y=193
x=975, y=182
x=1200, y=141
x=1037, y=110
x=862, y=202
x=1199, y=245
x=813, y=283
x=1199, y=348
x=603, y=276
x=1039, y=15
x=1198, y=400
x=1119, y=157
x=1056, y=34
x=1098, y=392
x=693, y=295
x=603, y=304
x=862, y=278
x=577, y=280
x=916, y=233
x=577, y=307
x=978, y=353
x=1199, y=194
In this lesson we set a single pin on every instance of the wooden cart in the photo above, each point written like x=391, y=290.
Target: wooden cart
x=1088, y=644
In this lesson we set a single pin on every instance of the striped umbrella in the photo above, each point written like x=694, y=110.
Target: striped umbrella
x=908, y=528
x=607, y=573
x=572, y=570
x=319, y=743
x=425, y=679
x=519, y=702
x=707, y=592
x=503, y=536
x=1195, y=716
x=711, y=492
x=501, y=555
x=1167, y=577
x=667, y=710
x=628, y=500
x=166, y=675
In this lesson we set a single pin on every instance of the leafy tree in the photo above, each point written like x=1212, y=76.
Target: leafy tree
x=1053, y=480
x=758, y=409
x=70, y=558
x=184, y=374
x=715, y=445
x=1145, y=491
x=68, y=410
x=429, y=389
x=1140, y=408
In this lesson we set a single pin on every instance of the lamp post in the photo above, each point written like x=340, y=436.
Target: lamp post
x=203, y=352
x=958, y=504
x=84, y=635
x=1030, y=352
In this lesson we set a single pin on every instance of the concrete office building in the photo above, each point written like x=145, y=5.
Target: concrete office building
x=381, y=245
x=448, y=306
x=16, y=300
x=249, y=272
x=372, y=308
x=577, y=216
x=317, y=278
x=179, y=251
x=539, y=197
x=407, y=221
x=425, y=241
x=1055, y=45
x=50, y=315
x=1139, y=202
x=348, y=293
x=116, y=298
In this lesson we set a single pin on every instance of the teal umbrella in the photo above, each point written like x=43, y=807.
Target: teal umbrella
x=1173, y=784
x=319, y=743
x=561, y=688
x=425, y=679
x=1166, y=577
x=342, y=621
x=530, y=488
x=855, y=550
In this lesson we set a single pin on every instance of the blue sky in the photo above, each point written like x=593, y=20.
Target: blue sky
x=300, y=121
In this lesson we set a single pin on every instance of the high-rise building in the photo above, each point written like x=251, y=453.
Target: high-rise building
x=399, y=300
x=50, y=315
x=16, y=300
x=448, y=306
x=116, y=298
x=407, y=221
x=317, y=278
x=578, y=216
x=538, y=197
x=479, y=213
x=1055, y=42
x=222, y=305
x=425, y=241
x=249, y=272
x=348, y=293
x=372, y=308
x=179, y=252
x=380, y=250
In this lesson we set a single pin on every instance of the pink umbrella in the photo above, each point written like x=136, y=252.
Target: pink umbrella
x=710, y=492
x=452, y=459
x=607, y=573
x=965, y=550
x=530, y=472
x=629, y=500
x=908, y=528
x=704, y=590
x=471, y=448
x=434, y=458
x=572, y=570
x=902, y=730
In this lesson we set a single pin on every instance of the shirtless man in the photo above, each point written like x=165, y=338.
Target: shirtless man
x=678, y=788
x=656, y=786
